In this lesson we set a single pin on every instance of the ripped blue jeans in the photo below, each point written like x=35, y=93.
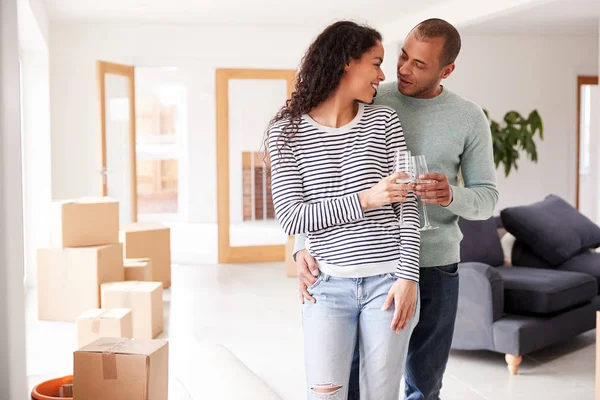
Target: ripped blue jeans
x=347, y=309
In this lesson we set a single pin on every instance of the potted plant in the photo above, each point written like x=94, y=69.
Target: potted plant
x=515, y=134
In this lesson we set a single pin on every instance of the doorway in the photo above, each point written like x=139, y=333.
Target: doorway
x=116, y=90
x=246, y=100
x=588, y=143
x=143, y=114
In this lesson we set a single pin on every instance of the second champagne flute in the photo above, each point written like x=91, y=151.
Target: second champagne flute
x=420, y=166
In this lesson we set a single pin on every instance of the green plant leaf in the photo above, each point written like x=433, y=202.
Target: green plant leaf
x=507, y=169
x=511, y=117
x=515, y=134
x=535, y=121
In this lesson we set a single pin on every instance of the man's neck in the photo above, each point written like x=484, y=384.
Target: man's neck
x=435, y=92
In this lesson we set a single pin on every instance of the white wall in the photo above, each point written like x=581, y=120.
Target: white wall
x=526, y=73
x=457, y=12
x=37, y=186
x=13, y=383
x=41, y=16
x=197, y=52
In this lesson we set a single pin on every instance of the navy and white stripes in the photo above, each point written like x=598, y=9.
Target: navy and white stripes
x=316, y=178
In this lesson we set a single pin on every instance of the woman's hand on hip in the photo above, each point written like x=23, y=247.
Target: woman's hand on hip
x=404, y=295
x=307, y=269
x=386, y=191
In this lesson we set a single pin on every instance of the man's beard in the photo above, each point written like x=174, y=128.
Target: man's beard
x=422, y=89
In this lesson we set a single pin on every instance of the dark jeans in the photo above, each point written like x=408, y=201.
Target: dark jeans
x=430, y=342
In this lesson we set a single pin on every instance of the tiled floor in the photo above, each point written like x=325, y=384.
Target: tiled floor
x=254, y=312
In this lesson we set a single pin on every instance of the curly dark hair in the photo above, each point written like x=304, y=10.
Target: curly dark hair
x=321, y=70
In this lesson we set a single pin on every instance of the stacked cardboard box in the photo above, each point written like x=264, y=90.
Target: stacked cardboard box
x=86, y=253
x=118, y=369
x=84, y=270
x=145, y=301
x=138, y=269
x=97, y=323
x=87, y=221
x=153, y=241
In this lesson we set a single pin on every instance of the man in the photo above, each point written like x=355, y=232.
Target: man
x=453, y=134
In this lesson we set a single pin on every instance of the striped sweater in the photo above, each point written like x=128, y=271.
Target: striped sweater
x=316, y=178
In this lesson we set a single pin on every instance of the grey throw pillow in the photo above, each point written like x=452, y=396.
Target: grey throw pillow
x=480, y=242
x=553, y=229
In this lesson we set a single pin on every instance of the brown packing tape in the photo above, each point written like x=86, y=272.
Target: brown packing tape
x=96, y=325
x=109, y=358
x=109, y=365
x=96, y=322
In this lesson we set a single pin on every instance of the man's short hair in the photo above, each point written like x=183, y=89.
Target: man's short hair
x=438, y=28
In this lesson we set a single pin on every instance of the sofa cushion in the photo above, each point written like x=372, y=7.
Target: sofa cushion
x=586, y=263
x=552, y=228
x=544, y=291
x=523, y=256
x=480, y=242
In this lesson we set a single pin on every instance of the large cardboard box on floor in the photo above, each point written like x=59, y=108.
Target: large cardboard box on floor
x=87, y=221
x=145, y=301
x=153, y=241
x=97, y=323
x=69, y=280
x=138, y=269
x=117, y=369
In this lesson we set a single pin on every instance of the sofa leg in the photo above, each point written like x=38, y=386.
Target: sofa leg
x=513, y=363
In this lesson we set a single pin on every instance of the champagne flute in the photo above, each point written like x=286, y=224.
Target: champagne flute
x=403, y=163
x=420, y=167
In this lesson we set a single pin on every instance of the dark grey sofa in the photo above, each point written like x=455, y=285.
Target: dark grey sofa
x=549, y=294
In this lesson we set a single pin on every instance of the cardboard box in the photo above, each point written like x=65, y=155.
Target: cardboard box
x=290, y=264
x=69, y=280
x=97, y=323
x=153, y=241
x=88, y=221
x=138, y=269
x=117, y=369
x=145, y=301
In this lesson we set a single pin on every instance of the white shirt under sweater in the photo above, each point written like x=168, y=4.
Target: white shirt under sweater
x=316, y=178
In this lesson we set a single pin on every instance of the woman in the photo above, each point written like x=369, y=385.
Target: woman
x=333, y=177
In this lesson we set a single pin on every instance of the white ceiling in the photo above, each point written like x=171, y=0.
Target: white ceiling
x=268, y=12
x=554, y=18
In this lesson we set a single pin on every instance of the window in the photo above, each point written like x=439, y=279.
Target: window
x=161, y=124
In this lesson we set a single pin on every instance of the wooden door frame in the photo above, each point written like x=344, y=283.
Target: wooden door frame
x=581, y=80
x=227, y=253
x=102, y=69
